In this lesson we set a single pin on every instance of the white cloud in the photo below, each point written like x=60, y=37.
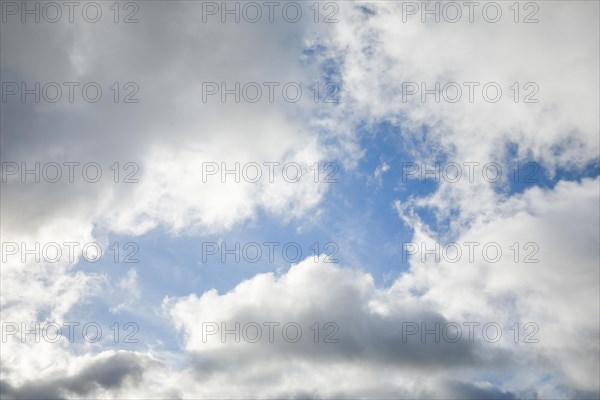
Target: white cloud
x=370, y=357
x=378, y=53
x=559, y=294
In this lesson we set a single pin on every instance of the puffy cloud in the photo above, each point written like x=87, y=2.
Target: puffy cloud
x=170, y=132
x=371, y=356
x=104, y=374
x=558, y=295
x=379, y=54
x=380, y=58
x=558, y=288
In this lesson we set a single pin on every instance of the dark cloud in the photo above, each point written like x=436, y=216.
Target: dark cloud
x=110, y=373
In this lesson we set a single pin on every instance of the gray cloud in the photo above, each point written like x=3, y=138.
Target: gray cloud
x=107, y=373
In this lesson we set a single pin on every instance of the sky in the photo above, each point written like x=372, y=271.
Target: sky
x=332, y=199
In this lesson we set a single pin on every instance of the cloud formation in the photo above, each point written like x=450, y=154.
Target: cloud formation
x=372, y=348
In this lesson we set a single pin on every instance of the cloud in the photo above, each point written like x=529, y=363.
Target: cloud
x=129, y=291
x=370, y=357
x=557, y=294
x=170, y=133
x=377, y=55
x=102, y=374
